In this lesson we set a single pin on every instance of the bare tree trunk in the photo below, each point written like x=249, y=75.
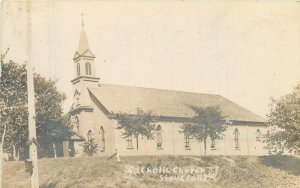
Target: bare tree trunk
x=18, y=152
x=54, y=149
x=137, y=143
x=14, y=152
x=1, y=156
x=1, y=163
x=204, y=147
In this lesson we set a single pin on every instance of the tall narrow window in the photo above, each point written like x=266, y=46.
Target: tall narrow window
x=76, y=99
x=76, y=121
x=89, y=135
x=159, y=136
x=258, y=135
x=88, y=70
x=129, y=141
x=78, y=69
x=236, y=138
x=187, y=141
x=102, y=136
x=213, y=144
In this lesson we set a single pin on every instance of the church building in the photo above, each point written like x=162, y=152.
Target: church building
x=94, y=105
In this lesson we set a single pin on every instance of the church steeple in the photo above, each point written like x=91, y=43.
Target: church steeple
x=83, y=41
x=83, y=47
x=84, y=61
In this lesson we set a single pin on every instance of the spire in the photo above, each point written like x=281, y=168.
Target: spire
x=82, y=21
x=83, y=42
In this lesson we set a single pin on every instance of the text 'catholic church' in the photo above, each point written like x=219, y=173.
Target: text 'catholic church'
x=94, y=102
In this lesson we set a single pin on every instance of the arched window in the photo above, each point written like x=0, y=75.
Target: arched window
x=76, y=121
x=159, y=136
x=213, y=144
x=76, y=98
x=78, y=69
x=90, y=135
x=129, y=141
x=187, y=141
x=88, y=70
x=102, y=136
x=258, y=135
x=236, y=138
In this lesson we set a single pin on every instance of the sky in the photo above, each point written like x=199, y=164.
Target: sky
x=246, y=51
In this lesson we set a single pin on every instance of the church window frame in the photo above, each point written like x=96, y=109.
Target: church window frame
x=78, y=69
x=212, y=144
x=90, y=136
x=159, y=137
x=88, y=68
x=236, y=138
x=76, y=98
x=102, y=137
x=258, y=135
x=129, y=142
x=76, y=121
x=187, y=139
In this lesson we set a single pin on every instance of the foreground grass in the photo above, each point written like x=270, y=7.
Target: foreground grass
x=234, y=171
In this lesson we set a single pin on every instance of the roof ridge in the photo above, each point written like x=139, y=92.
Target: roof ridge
x=150, y=88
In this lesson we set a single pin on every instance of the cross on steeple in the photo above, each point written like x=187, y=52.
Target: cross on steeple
x=84, y=65
x=84, y=58
x=83, y=42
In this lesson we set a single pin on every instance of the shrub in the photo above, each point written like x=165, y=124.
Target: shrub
x=90, y=147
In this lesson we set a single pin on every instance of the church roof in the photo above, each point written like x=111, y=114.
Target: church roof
x=167, y=103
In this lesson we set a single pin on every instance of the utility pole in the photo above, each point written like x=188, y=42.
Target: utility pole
x=34, y=177
x=4, y=130
x=1, y=144
x=1, y=157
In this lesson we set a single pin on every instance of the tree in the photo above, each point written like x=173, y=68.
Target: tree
x=3, y=127
x=50, y=121
x=90, y=147
x=142, y=123
x=284, y=123
x=207, y=122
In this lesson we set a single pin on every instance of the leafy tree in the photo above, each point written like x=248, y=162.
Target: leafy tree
x=3, y=133
x=207, y=122
x=50, y=121
x=284, y=123
x=142, y=123
x=90, y=147
x=52, y=125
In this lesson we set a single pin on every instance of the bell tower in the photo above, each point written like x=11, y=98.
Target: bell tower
x=84, y=63
x=84, y=73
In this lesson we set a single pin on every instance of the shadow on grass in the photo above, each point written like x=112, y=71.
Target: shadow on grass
x=283, y=162
x=50, y=185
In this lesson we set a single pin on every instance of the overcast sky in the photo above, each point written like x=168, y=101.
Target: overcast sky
x=246, y=51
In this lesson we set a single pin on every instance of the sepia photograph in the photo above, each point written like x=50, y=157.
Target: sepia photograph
x=176, y=94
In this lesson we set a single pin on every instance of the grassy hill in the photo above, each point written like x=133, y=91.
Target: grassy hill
x=233, y=171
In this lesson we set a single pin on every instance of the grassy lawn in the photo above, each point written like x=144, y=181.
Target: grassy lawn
x=233, y=171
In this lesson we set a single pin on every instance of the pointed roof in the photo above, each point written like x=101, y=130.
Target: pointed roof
x=83, y=43
x=83, y=48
